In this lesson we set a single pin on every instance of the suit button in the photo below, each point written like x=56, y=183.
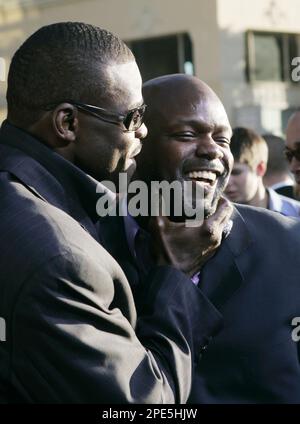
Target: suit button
x=202, y=350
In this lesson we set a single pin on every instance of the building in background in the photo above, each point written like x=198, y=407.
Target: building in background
x=243, y=50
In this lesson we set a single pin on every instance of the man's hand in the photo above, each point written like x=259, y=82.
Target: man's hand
x=188, y=248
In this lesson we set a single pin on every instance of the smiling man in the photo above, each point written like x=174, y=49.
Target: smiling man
x=253, y=277
x=173, y=152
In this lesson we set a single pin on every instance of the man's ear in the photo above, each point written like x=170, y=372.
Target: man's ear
x=65, y=123
x=261, y=168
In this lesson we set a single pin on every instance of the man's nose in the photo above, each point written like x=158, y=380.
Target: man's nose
x=141, y=132
x=207, y=146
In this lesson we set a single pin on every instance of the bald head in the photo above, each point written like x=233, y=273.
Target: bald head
x=168, y=95
x=177, y=84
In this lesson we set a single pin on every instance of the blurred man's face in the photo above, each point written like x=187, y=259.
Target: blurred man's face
x=188, y=140
x=243, y=184
x=293, y=146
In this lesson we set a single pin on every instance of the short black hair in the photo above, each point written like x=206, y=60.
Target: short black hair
x=248, y=147
x=57, y=63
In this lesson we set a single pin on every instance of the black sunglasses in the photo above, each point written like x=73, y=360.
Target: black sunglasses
x=132, y=120
x=290, y=154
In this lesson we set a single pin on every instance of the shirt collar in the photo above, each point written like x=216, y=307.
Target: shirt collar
x=275, y=201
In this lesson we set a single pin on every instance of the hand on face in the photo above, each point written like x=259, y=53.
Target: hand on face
x=188, y=248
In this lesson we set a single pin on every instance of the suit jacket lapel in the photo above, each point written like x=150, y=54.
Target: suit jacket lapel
x=221, y=277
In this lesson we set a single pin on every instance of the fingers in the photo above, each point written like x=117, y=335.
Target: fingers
x=214, y=226
x=223, y=212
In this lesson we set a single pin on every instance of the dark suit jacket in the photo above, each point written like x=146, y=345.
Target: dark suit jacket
x=287, y=191
x=71, y=328
x=254, y=282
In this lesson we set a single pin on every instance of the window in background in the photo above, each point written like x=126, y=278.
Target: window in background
x=2, y=69
x=269, y=55
x=163, y=55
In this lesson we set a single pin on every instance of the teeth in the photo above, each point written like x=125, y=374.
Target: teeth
x=207, y=175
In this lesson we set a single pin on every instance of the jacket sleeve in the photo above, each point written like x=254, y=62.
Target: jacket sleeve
x=73, y=341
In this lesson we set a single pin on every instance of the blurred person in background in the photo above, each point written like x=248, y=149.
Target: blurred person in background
x=278, y=176
x=250, y=152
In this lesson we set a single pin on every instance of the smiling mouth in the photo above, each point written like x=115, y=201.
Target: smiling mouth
x=204, y=177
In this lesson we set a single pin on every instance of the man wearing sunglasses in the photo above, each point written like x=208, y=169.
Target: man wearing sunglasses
x=292, y=150
x=75, y=117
